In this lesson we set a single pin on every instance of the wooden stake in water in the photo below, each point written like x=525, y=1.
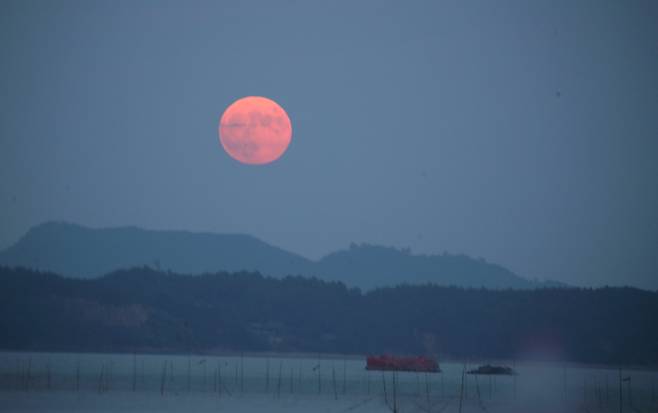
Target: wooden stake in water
x=241, y=372
x=134, y=372
x=477, y=388
x=465, y=382
x=189, y=373
x=163, y=378
x=278, y=384
x=630, y=394
x=564, y=380
x=214, y=381
x=267, y=375
x=344, y=376
x=333, y=379
x=18, y=375
x=514, y=378
x=109, y=376
x=427, y=390
x=395, y=392
x=28, y=375
x=490, y=388
x=621, y=396
x=384, y=388
x=205, y=374
x=461, y=390
x=48, y=375
x=584, y=389
x=171, y=373
x=443, y=393
x=299, y=376
x=319, y=376
x=219, y=378
x=77, y=375
x=100, y=378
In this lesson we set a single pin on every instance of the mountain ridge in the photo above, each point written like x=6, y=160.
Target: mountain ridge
x=82, y=252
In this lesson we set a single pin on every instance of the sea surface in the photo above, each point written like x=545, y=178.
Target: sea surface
x=62, y=382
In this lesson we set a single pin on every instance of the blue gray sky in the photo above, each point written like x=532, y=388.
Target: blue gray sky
x=523, y=132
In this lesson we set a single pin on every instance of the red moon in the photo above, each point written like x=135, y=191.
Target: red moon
x=255, y=130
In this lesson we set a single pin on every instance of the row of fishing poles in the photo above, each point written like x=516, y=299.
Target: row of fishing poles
x=27, y=377
x=595, y=390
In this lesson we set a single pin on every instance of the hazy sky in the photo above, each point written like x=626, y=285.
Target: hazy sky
x=523, y=132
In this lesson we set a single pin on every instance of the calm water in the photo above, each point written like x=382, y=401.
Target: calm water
x=56, y=382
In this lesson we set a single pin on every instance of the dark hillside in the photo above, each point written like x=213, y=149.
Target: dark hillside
x=145, y=310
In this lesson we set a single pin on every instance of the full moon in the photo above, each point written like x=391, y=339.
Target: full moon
x=255, y=130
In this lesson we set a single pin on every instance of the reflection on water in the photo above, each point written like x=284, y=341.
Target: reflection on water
x=270, y=383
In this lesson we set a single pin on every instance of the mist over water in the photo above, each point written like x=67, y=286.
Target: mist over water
x=50, y=382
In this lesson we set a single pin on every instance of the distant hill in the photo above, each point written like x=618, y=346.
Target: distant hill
x=370, y=266
x=141, y=309
x=82, y=252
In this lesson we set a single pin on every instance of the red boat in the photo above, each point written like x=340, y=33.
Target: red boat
x=387, y=362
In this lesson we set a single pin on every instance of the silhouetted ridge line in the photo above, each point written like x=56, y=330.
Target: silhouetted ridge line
x=77, y=251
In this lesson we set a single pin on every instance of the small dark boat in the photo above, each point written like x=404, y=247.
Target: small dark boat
x=396, y=363
x=494, y=370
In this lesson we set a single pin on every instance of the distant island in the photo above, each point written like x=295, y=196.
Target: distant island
x=145, y=310
x=77, y=251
